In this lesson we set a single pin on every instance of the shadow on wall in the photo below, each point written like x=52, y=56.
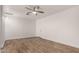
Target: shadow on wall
x=2, y=39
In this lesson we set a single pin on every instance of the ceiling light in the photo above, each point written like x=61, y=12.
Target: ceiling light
x=34, y=12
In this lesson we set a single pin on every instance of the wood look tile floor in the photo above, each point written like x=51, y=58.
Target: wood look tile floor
x=36, y=45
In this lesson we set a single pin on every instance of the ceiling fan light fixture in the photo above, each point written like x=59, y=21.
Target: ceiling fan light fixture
x=34, y=12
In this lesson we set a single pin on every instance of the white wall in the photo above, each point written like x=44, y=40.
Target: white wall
x=19, y=27
x=61, y=27
x=1, y=29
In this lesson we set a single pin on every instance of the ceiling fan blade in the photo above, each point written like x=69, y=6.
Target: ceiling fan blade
x=28, y=8
x=35, y=8
x=38, y=7
x=8, y=13
x=40, y=11
x=28, y=13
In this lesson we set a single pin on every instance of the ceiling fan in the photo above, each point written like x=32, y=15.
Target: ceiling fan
x=8, y=13
x=5, y=14
x=34, y=10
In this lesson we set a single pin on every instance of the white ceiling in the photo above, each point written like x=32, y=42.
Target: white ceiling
x=20, y=10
